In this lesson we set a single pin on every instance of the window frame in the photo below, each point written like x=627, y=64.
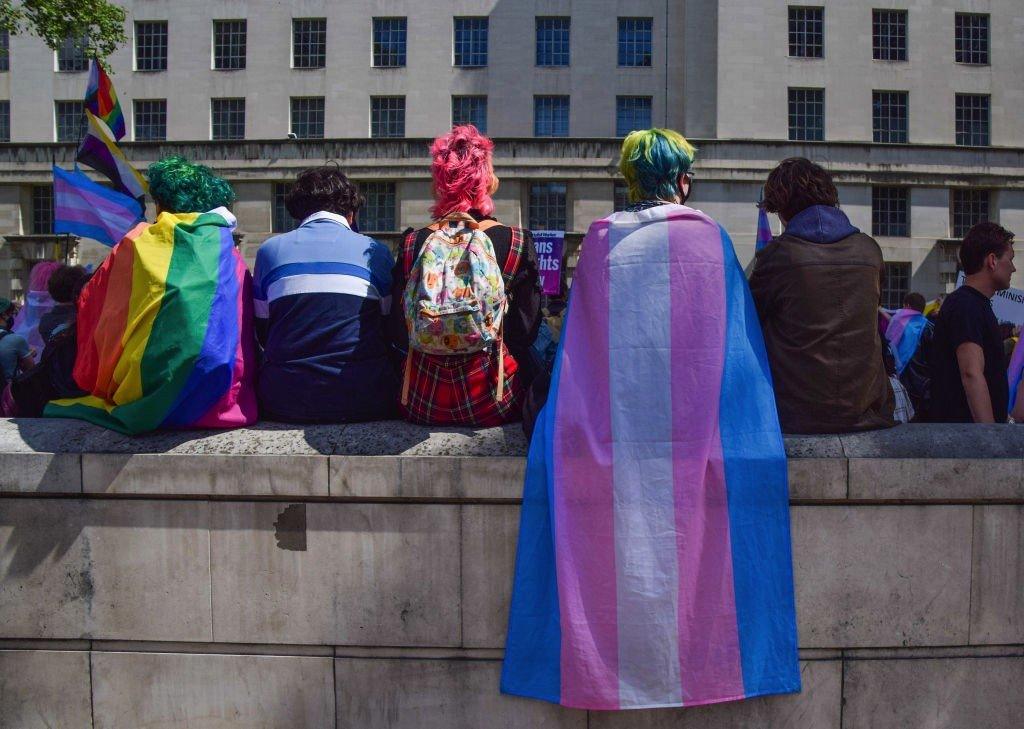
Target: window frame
x=480, y=98
x=620, y=110
x=315, y=47
x=280, y=220
x=136, y=113
x=71, y=56
x=979, y=208
x=221, y=32
x=799, y=37
x=60, y=121
x=381, y=127
x=794, y=134
x=892, y=296
x=881, y=99
x=555, y=101
x=378, y=53
x=385, y=210
x=474, y=57
x=42, y=220
x=964, y=50
x=311, y=110
x=213, y=118
x=534, y=203
x=887, y=201
x=156, y=58
x=551, y=44
x=633, y=48
x=883, y=18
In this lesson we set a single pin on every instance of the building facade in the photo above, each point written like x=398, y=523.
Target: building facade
x=916, y=105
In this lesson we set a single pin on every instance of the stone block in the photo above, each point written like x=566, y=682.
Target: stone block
x=393, y=437
x=336, y=574
x=427, y=477
x=817, y=478
x=813, y=446
x=997, y=599
x=219, y=475
x=816, y=706
x=926, y=440
x=947, y=693
x=43, y=435
x=128, y=570
x=41, y=472
x=437, y=694
x=488, y=559
x=214, y=691
x=264, y=438
x=870, y=576
x=43, y=689
x=936, y=478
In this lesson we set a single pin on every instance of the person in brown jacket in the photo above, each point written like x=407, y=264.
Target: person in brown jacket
x=817, y=289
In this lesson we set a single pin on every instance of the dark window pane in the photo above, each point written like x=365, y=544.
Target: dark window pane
x=895, y=284
x=889, y=35
x=972, y=120
x=968, y=208
x=470, y=110
x=807, y=115
x=389, y=38
x=151, y=45
x=890, y=211
x=378, y=215
x=308, y=117
x=309, y=43
x=70, y=117
x=71, y=55
x=5, y=50
x=42, y=209
x=229, y=40
x=971, y=37
x=387, y=116
x=471, y=42
x=551, y=116
x=5, y=121
x=632, y=113
x=150, y=120
x=547, y=206
x=636, y=41
x=552, y=41
x=889, y=116
x=227, y=118
x=281, y=221
x=806, y=32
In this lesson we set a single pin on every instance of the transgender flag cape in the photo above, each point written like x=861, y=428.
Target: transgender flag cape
x=165, y=334
x=654, y=564
x=904, y=334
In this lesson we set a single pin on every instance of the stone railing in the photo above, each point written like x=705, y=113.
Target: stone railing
x=359, y=576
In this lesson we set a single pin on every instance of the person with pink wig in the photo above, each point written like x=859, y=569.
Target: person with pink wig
x=38, y=303
x=464, y=389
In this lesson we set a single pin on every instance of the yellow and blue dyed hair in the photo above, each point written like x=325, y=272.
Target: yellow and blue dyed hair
x=651, y=162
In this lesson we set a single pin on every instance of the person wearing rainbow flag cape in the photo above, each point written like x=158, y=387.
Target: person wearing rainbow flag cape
x=165, y=326
x=654, y=563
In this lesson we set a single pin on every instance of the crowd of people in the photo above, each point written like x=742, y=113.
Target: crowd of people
x=330, y=327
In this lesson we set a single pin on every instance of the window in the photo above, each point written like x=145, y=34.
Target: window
x=387, y=116
x=71, y=55
x=308, y=117
x=632, y=113
x=5, y=50
x=470, y=42
x=5, y=121
x=547, y=206
x=470, y=110
x=890, y=211
x=151, y=45
x=379, y=212
x=551, y=116
x=229, y=44
x=889, y=116
x=972, y=120
x=968, y=208
x=895, y=284
x=281, y=220
x=806, y=32
x=150, y=120
x=227, y=118
x=620, y=196
x=889, y=35
x=71, y=123
x=552, y=41
x=389, y=35
x=806, y=115
x=636, y=37
x=309, y=43
x=971, y=38
x=42, y=209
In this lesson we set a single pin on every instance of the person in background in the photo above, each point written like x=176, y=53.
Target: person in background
x=321, y=294
x=905, y=329
x=969, y=375
x=37, y=303
x=16, y=355
x=63, y=286
x=817, y=288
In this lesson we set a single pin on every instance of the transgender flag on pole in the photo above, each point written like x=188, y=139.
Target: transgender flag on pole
x=90, y=210
x=654, y=565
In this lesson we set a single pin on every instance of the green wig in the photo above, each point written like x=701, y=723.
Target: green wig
x=178, y=186
x=651, y=162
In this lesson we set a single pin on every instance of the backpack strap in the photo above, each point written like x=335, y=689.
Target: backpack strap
x=409, y=252
x=515, y=255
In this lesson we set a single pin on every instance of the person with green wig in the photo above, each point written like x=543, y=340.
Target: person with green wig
x=165, y=326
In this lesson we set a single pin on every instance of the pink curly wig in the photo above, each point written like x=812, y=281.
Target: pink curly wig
x=461, y=169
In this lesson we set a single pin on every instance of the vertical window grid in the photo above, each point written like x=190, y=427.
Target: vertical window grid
x=229, y=42
x=70, y=118
x=151, y=45
x=280, y=220
x=636, y=41
x=309, y=42
x=71, y=55
x=620, y=196
x=470, y=110
x=632, y=113
x=889, y=35
x=307, y=117
x=389, y=42
x=806, y=32
x=971, y=38
x=889, y=116
x=547, y=206
x=896, y=284
x=150, y=120
x=5, y=50
x=553, y=41
x=806, y=115
x=551, y=116
x=42, y=209
x=5, y=121
x=972, y=120
x=969, y=207
x=470, y=42
x=387, y=116
x=227, y=119
x=890, y=211
x=378, y=215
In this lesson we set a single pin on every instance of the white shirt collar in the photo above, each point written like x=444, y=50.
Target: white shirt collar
x=324, y=215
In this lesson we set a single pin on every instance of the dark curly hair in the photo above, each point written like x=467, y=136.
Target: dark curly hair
x=178, y=186
x=64, y=281
x=797, y=184
x=323, y=188
x=983, y=238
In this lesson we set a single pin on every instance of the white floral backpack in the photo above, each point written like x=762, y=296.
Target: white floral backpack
x=455, y=299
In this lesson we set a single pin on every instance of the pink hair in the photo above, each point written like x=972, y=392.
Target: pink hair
x=462, y=171
x=40, y=275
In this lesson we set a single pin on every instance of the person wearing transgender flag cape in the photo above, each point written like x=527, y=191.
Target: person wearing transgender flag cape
x=654, y=565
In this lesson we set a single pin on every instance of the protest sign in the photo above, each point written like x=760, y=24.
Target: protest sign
x=549, y=245
x=1007, y=305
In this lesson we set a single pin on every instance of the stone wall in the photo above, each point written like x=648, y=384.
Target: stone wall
x=358, y=576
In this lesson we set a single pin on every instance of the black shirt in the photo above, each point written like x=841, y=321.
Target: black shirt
x=966, y=316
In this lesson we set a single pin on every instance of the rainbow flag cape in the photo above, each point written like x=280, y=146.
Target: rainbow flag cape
x=86, y=208
x=165, y=336
x=654, y=565
x=99, y=150
x=101, y=100
x=904, y=334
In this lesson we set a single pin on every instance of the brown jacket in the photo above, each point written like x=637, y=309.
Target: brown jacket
x=818, y=304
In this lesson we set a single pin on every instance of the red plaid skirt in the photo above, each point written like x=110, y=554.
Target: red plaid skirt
x=462, y=389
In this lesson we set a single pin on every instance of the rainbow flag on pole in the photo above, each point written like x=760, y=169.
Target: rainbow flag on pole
x=165, y=336
x=99, y=150
x=101, y=100
x=654, y=564
x=86, y=208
